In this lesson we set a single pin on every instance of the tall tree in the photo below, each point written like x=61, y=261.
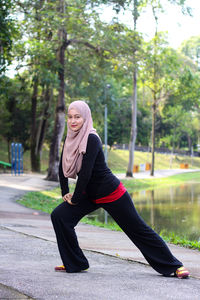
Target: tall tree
x=159, y=75
x=133, y=133
x=129, y=53
x=70, y=34
x=157, y=84
x=155, y=8
x=59, y=124
x=36, y=53
x=8, y=33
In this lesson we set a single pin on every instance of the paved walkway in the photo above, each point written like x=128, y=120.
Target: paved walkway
x=28, y=253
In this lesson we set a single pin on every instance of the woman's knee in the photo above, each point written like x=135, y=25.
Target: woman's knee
x=53, y=214
x=65, y=214
x=57, y=212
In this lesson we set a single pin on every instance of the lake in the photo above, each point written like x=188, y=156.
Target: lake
x=173, y=209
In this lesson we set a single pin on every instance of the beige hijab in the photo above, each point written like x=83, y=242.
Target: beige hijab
x=76, y=142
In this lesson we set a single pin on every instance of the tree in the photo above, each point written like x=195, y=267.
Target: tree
x=129, y=54
x=59, y=124
x=159, y=74
x=119, y=127
x=178, y=118
x=136, y=8
x=191, y=48
x=189, y=95
x=133, y=133
x=181, y=108
x=50, y=36
x=70, y=34
x=8, y=32
x=37, y=54
x=15, y=111
x=158, y=83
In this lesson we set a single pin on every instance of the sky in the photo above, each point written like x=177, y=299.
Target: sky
x=178, y=26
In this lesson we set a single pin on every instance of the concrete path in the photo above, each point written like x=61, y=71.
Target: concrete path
x=28, y=254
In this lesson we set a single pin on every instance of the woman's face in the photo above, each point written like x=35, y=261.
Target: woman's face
x=75, y=120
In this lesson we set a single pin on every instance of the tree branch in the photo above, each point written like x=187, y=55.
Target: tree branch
x=100, y=51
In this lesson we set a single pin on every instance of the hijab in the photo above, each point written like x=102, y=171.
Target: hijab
x=76, y=141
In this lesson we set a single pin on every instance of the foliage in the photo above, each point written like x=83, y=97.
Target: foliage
x=191, y=48
x=15, y=110
x=143, y=125
x=159, y=69
x=119, y=128
x=39, y=201
x=171, y=237
x=181, y=108
x=8, y=32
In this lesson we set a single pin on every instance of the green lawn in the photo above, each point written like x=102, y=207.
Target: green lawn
x=118, y=160
x=152, y=183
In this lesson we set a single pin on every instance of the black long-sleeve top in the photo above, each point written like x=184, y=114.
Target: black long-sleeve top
x=95, y=180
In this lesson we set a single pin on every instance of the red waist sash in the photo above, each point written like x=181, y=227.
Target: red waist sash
x=120, y=190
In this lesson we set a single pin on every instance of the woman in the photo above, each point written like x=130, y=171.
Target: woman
x=97, y=187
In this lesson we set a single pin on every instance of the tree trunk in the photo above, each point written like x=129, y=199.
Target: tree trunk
x=38, y=132
x=133, y=133
x=55, y=145
x=41, y=130
x=153, y=137
x=34, y=160
x=155, y=89
x=59, y=125
x=133, y=127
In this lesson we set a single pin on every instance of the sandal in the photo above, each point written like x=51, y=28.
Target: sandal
x=60, y=268
x=182, y=273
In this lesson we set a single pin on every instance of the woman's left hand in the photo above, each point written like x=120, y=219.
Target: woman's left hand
x=70, y=202
x=67, y=198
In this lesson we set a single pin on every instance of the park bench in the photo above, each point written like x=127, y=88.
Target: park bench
x=5, y=164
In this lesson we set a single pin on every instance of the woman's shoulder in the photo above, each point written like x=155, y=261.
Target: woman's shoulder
x=94, y=139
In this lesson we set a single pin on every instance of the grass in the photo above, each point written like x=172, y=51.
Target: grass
x=152, y=183
x=118, y=160
x=46, y=201
x=170, y=237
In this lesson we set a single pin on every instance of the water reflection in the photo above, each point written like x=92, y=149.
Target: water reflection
x=174, y=209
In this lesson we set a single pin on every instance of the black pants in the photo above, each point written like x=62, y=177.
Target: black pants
x=65, y=217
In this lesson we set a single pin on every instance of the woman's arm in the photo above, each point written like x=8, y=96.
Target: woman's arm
x=63, y=180
x=93, y=147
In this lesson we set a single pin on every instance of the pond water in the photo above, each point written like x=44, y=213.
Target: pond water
x=173, y=209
